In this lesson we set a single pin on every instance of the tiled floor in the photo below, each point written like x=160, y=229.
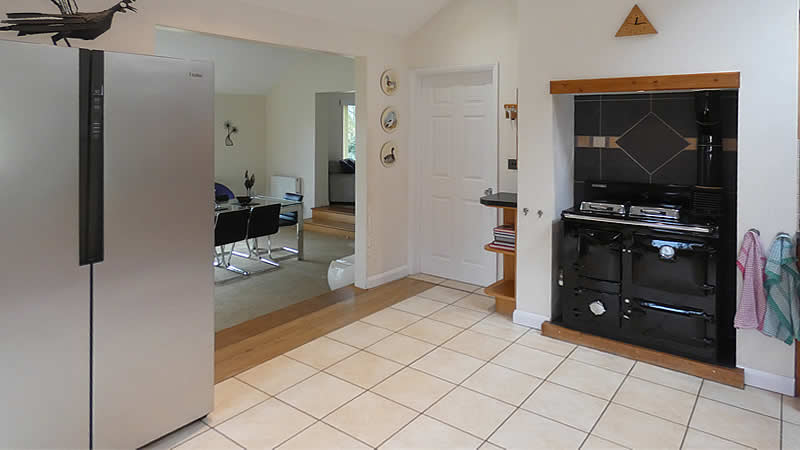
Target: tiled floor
x=441, y=370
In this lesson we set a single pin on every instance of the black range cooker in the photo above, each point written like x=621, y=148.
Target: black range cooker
x=642, y=264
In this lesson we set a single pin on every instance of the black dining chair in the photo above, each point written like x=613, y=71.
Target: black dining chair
x=264, y=222
x=290, y=219
x=230, y=228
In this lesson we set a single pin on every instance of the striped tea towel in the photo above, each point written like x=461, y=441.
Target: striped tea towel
x=753, y=302
x=782, y=319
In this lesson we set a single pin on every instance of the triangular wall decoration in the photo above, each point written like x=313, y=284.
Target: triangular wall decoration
x=636, y=24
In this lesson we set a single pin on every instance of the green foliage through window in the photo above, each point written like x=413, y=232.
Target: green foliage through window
x=349, y=148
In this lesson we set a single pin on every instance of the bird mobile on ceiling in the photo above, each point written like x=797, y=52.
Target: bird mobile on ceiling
x=68, y=24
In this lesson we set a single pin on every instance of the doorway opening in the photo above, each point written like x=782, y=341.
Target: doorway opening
x=271, y=260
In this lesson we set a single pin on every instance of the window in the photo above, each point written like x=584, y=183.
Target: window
x=349, y=124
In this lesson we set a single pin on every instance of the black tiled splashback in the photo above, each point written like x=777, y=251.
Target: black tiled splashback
x=647, y=138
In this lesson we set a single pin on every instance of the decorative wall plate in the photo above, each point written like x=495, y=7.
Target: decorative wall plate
x=389, y=154
x=389, y=120
x=389, y=82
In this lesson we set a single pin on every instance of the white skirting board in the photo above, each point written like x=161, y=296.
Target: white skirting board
x=769, y=381
x=387, y=277
x=529, y=319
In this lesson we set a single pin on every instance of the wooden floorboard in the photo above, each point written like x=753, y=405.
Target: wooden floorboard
x=235, y=358
x=725, y=375
x=238, y=333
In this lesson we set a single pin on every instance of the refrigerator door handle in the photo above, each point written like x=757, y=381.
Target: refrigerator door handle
x=91, y=156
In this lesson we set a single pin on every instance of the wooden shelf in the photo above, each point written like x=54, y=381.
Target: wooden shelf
x=497, y=250
x=505, y=289
x=722, y=80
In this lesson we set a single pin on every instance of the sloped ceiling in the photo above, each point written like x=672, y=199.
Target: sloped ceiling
x=399, y=17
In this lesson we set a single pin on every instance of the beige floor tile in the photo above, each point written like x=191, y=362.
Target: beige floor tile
x=371, y=418
x=736, y=424
x=391, y=319
x=321, y=353
x=232, y=397
x=461, y=286
x=790, y=436
x=636, y=429
x=750, y=398
x=525, y=430
x=477, y=302
x=587, y=378
x=567, y=406
x=364, y=369
x=420, y=306
x=400, y=348
x=791, y=409
x=666, y=377
x=178, y=437
x=209, y=440
x=414, y=389
x=449, y=365
x=534, y=339
x=501, y=327
x=655, y=399
x=478, y=345
x=427, y=278
x=427, y=433
x=528, y=360
x=469, y=411
x=444, y=294
x=266, y=425
x=431, y=331
x=602, y=359
x=322, y=436
x=320, y=394
x=359, y=334
x=458, y=316
x=277, y=374
x=503, y=384
x=697, y=440
x=596, y=443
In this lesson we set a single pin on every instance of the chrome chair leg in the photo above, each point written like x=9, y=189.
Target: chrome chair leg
x=255, y=252
x=226, y=264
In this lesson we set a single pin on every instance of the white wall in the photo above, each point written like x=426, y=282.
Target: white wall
x=291, y=116
x=566, y=39
x=385, y=254
x=476, y=32
x=248, y=114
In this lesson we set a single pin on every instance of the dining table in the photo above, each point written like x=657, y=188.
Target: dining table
x=287, y=206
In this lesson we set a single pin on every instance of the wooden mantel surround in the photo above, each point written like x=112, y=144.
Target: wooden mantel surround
x=721, y=80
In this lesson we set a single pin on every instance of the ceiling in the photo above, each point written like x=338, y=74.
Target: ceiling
x=240, y=67
x=399, y=17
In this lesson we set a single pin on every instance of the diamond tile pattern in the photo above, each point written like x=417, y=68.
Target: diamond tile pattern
x=535, y=393
x=652, y=142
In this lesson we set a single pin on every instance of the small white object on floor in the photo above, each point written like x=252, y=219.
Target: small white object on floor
x=341, y=272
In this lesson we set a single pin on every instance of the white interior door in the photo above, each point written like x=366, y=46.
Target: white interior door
x=457, y=120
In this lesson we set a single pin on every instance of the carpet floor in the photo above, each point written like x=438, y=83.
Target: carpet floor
x=239, y=300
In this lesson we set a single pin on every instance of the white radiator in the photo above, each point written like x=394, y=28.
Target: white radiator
x=280, y=185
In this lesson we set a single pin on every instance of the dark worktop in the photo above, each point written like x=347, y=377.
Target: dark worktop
x=500, y=200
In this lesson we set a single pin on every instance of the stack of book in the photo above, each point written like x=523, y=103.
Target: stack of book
x=505, y=238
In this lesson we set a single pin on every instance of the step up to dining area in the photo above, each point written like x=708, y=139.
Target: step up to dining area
x=333, y=220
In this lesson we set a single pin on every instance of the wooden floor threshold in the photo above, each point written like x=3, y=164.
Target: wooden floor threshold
x=720, y=374
x=260, y=340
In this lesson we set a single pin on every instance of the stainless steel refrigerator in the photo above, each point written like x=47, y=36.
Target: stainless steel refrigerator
x=106, y=286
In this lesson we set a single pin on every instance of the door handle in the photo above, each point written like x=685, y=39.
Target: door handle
x=488, y=192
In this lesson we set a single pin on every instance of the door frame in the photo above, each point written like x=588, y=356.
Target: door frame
x=415, y=172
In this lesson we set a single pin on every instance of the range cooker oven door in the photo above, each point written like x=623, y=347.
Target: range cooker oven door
x=593, y=253
x=594, y=311
x=672, y=269
x=679, y=330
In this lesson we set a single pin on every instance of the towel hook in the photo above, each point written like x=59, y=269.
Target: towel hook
x=754, y=231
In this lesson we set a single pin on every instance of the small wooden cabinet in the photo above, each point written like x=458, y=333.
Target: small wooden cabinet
x=505, y=290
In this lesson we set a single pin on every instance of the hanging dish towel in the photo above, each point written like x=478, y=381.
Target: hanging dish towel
x=753, y=302
x=782, y=319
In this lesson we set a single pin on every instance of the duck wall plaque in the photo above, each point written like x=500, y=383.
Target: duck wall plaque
x=389, y=120
x=389, y=154
x=389, y=82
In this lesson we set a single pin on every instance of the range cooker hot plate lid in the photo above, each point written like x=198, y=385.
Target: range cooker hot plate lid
x=617, y=209
x=668, y=212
